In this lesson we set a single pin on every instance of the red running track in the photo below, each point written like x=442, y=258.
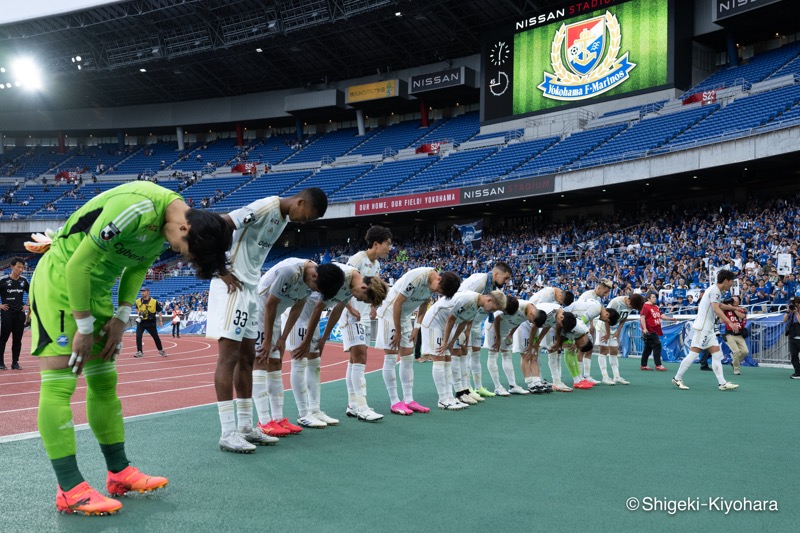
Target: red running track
x=146, y=385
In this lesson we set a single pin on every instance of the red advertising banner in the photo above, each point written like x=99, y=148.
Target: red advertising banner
x=706, y=97
x=68, y=176
x=409, y=202
x=245, y=168
x=429, y=148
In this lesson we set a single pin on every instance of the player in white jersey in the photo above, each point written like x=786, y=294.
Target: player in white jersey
x=608, y=338
x=306, y=344
x=483, y=284
x=461, y=310
x=527, y=341
x=549, y=315
x=501, y=339
x=234, y=310
x=395, y=334
x=355, y=325
x=553, y=295
x=284, y=286
x=599, y=293
x=704, y=330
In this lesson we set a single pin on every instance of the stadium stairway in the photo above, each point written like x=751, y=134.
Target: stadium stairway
x=331, y=179
x=505, y=161
x=384, y=177
x=758, y=68
x=394, y=138
x=330, y=146
x=444, y=170
x=565, y=152
x=272, y=183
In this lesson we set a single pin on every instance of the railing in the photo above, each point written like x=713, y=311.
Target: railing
x=733, y=83
x=766, y=342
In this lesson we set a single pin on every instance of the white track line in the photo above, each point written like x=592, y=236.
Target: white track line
x=83, y=427
x=142, y=394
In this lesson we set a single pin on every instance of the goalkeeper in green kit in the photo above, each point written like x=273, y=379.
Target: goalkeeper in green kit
x=118, y=234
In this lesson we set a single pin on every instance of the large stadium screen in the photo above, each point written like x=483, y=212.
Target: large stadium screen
x=574, y=55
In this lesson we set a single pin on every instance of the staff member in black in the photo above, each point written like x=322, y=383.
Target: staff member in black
x=792, y=317
x=148, y=308
x=12, y=312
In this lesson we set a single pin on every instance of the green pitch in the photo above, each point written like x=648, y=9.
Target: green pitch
x=558, y=462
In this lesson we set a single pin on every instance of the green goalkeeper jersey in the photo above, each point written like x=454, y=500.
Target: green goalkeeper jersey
x=124, y=226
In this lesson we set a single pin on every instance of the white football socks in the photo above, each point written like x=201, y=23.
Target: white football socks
x=389, y=376
x=227, y=416
x=299, y=389
x=508, y=369
x=407, y=377
x=244, y=413
x=275, y=391
x=313, y=383
x=260, y=395
x=360, y=385
x=491, y=365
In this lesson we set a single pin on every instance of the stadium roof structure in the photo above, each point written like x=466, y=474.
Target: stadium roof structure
x=157, y=51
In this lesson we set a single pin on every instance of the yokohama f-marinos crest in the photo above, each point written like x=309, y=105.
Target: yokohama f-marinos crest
x=590, y=49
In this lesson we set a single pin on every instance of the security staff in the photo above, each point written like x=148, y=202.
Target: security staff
x=148, y=308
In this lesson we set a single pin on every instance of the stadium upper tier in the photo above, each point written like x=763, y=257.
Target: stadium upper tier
x=383, y=162
x=773, y=63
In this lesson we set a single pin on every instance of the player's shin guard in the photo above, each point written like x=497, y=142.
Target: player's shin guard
x=56, y=427
x=687, y=362
x=465, y=372
x=104, y=412
x=508, y=368
x=587, y=366
x=312, y=383
x=359, y=384
x=571, y=359
x=448, y=378
x=439, y=380
x=475, y=367
x=260, y=396
x=244, y=412
x=275, y=391
x=716, y=366
x=407, y=377
x=601, y=362
x=389, y=376
x=351, y=388
x=297, y=378
x=555, y=368
x=614, y=361
x=227, y=415
x=491, y=365
x=455, y=367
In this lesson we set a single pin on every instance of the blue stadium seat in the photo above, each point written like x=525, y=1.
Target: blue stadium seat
x=383, y=178
x=505, y=161
x=443, y=171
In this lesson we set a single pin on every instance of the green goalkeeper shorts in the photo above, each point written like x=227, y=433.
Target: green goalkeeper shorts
x=52, y=323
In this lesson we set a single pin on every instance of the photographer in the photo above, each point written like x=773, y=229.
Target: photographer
x=736, y=341
x=792, y=316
